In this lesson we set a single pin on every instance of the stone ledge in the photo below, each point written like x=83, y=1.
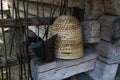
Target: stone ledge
x=61, y=69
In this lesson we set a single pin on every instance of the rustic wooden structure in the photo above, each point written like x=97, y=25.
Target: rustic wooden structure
x=108, y=55
x=71, y=3
x=22, y=22
x=112, y=7
x=93, y=9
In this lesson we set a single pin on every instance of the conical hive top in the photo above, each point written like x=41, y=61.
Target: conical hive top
x=66, y=20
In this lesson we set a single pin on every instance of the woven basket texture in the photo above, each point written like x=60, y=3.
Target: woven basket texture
x=69, y=43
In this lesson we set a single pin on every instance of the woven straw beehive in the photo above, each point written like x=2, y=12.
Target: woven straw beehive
x=69, y=43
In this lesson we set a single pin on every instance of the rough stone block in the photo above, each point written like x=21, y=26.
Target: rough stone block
x=103, y=71
x=91, y=31
x=107, y=50
x=106, y=22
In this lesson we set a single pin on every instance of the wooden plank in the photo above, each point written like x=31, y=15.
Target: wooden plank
x=103, y=71
x=22, y=22
x=106, y=22
x=93, y=9
x=71, y=3
x=107, y=50
x=7, y=12
x=66, y=72
x=112, y=7
x=32, y=9
x=91, y=31
x=61, y=69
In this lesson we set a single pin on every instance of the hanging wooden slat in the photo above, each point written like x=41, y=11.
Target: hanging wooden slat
x=22, y=21
x=32, y=9
x=71, y=3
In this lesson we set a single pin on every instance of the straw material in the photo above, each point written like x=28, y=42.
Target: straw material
x=69, y=43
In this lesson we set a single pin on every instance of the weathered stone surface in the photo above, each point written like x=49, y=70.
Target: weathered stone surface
x=61, y=69
x=114, y=60
x=103, y=71
x=93, y=9
x=106, y=22
x=107, y=50
x=112, y=7
x=91, y=31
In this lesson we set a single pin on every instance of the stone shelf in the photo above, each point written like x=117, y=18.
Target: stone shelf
x=61, y=69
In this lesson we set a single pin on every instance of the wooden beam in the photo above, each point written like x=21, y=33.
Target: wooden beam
x=5, y=12
x=22, y=21
x=32, y=9
x=71, y=3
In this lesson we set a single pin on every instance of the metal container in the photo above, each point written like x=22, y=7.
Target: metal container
x=68, y=44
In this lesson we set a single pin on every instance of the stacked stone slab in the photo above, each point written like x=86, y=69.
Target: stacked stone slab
x=106, y=48
x=106, y=22
x=91, y=31
x=104, y=71
x=91, y=26
x=108, y=53
x=96, y=26
x=107, y=63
